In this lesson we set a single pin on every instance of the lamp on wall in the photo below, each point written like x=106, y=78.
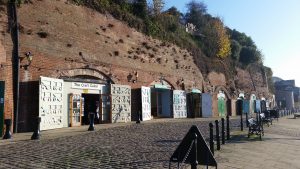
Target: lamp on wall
x=29, y=57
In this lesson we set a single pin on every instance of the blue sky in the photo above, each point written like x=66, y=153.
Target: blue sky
x=274, y=25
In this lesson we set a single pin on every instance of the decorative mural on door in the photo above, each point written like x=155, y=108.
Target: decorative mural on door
x=50, y=103
x=179, y=104
x=146, y=103
x=221, y=104
x=121, y=103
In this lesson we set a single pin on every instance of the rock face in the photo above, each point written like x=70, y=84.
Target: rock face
x=74, y=41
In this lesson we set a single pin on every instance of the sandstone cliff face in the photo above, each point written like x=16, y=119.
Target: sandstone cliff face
x=65, y=37
x=58, y=29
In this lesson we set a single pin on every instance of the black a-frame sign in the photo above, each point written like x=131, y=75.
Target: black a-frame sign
x=182, y=153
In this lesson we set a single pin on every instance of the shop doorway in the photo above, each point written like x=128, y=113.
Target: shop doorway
x=105, y=108
x=161, y=102
x=229, y=107
x=91, y=104
x=194, y=105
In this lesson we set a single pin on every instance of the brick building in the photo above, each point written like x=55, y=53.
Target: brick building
x=73, y=60
x=287, y=94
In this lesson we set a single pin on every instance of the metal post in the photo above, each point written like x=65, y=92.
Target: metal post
x=7, y=134
x=247, y=124
x=227, y=127
x=211, y=138
x=36, y=134
x=91, y=127
x=194, y=162
x=242, y=123
x=223, y=130
x=217, y=135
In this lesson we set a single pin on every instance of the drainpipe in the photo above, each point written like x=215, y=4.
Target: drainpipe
x=15, y=59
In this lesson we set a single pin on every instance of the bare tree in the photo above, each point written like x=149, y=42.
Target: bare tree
x=158, y=6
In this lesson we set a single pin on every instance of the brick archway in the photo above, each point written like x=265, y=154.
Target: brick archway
x=219, y=88
x=162, y=82
x=84, y=72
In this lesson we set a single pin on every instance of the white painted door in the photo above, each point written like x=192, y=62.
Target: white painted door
x=121, y=103
x=179, y=104
x=51, y=103
x=146, y=103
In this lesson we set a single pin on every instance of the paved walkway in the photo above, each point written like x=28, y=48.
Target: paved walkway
x=280, y=148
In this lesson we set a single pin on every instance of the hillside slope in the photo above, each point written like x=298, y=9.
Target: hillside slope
x=80, y=37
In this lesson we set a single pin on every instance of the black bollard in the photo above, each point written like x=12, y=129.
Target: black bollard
x=217, y=135
x=247, y=124
x=242, y=123
x=227, y=127
x=7, y=134
x=211, y=138
x=92, y=117
x=194, y=162
x=223, y=130
x=138, y=118
x=36, y=134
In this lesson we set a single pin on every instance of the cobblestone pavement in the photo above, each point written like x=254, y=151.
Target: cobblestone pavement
x=146, y=145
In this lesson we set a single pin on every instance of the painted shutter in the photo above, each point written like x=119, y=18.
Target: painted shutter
x=146, y=103
x=206, y=105
x=179, y=104
x=121, y=103
x=246, y=106
x=51, y=103
x=257, y=106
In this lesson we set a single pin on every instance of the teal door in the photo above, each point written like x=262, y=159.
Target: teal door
x=2, y=87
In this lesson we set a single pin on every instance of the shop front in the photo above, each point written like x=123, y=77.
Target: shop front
x=83, y=98
x=194, y=106
x=222, y=110
x=68, y=102
x=161, y=100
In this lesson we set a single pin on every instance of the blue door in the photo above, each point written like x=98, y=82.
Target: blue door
x=206, y=105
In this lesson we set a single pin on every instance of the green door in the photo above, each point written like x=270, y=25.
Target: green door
x=1, y=106
x=221, y=107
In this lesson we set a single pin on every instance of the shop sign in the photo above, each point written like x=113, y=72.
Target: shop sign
x=91, y=86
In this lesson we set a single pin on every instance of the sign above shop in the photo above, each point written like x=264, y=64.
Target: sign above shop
x=196, y=91
x=91, y=86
